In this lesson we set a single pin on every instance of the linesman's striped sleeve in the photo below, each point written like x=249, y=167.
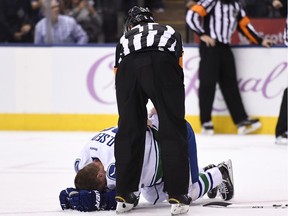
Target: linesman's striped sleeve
x=285, y=36
x=245, y=27
x=192, y=19
x=196, y=12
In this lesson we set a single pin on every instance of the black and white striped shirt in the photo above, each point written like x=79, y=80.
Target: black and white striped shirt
x=149, y=35
x=285, y=35
x=219, y=19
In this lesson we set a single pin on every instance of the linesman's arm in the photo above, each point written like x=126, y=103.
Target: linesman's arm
x=196, y=13
x=245, y=27
x=194, y=19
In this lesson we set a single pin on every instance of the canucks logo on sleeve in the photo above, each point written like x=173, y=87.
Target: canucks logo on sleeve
x=111, y=172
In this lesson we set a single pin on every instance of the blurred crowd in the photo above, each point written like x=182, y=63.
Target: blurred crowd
x=99, y=19
x=90, y=21
x=265, y=8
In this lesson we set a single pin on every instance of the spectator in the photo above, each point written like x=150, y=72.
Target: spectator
x=265, y=8
x=258, y=8
x=37, y=13
x=64, y=5
x=85, y=14
x=111, y=10
x=15, y=21
x=212, y=21
x=281, y=6
x=127, y=4
x=58, y=29
x=156, y=6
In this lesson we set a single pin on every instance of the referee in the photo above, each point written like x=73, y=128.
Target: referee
x=215, y=21
x=148, y=65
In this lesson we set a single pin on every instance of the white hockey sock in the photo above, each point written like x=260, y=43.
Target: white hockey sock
x=207, y=181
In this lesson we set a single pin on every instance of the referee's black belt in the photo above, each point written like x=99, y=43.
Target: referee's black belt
x=161, y=49
x=147, y=49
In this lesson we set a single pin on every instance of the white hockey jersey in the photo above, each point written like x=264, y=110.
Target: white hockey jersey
x=151, y=185
x=101, y=147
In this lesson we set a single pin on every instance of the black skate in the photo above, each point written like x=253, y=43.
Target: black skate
x=248, y=126
x=226, y=188
x=207, y=128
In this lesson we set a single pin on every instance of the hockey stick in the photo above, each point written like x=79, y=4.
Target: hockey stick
x=232, y=205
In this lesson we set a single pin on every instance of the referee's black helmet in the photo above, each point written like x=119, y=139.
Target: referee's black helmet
x=136, y=15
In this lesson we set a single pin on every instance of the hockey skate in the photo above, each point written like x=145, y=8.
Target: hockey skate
x=248, y=126
x=207, y=128
x=282, y=139
x=213, y=192
x=179, y=204
x=226, y=188
x=126, y=202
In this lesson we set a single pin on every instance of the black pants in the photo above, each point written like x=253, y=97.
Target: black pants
x=281, y=126
x=155, y=75
x=217, y=65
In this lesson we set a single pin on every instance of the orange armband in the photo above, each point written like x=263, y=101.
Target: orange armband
x=181, y=61
x=243, y=26
x=199, y=9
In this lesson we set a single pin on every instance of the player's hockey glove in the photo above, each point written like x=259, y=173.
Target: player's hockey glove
x=63, y=197
x=87, y=200
x=108, y=201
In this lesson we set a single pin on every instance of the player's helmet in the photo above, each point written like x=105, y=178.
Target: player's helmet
x=137, y=15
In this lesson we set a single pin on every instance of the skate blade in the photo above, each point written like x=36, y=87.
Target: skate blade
x=230, y=170
x=123, y=207
x=247, y=130
x=177, y=209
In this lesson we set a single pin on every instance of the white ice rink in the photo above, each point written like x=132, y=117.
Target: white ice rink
x=36, y=166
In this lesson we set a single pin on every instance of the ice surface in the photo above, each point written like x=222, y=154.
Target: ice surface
x=36, y=166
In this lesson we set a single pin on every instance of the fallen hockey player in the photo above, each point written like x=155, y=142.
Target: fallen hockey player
x=95, y=180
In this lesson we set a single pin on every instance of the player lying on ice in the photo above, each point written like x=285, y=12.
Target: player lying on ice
x=95, y=180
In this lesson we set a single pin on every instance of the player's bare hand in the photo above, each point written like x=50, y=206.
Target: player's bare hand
x=208, y=40
x=267, y=43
